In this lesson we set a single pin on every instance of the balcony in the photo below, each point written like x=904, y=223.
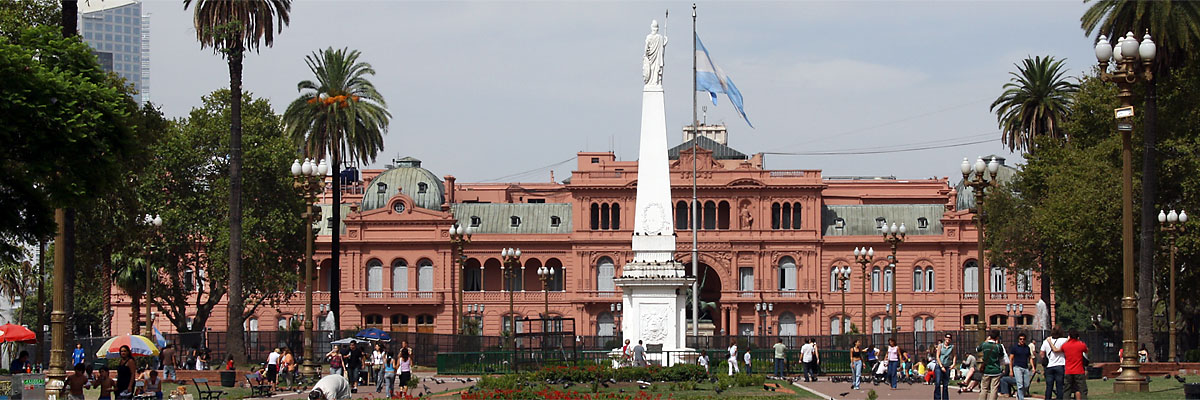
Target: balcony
x=599, y=296
x=750, y=296
x=388, y=297
x=518, y=297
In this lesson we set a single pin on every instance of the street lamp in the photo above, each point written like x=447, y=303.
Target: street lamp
x=615, y=309
x=979, y=182
x=309, y=178
x=545, y=274
x=842, y=275
x=1128, y=72
x=894, y=236
x=460, y=236
x=508, y=268
x=764, y=310
x=1014, y=312
x=154, y=221
x=1172, y=224
x=863, y=256
x=477, y=311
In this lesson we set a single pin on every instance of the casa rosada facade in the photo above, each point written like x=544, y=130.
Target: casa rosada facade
x=765, y=236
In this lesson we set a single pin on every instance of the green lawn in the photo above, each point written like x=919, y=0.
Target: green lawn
x=230, y=393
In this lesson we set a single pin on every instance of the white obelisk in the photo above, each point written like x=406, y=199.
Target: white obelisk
x=654, y=284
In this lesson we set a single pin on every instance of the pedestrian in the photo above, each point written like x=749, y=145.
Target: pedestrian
x=749, y=368
x=378, y=359
x=287, y=367
x=1075, y=351
x=78, y=354
x=732, y=360
x=105, y=383
x=639, y=355
x=336, y=364
x=20, y=364
x=626, y=354
x=77, y=382
x=946, y=360
x=353, y=360
x=1055, y=363
x=1143, y=355
x=893, y=362
x=992, y=364
x=806, y=358
x=856, y=364
x=126, y=366
x=1022, y=369
x=389, y=373
x=404, y=345
x=780, y=359
x=404, y=368
x=273, y=368
x=331, y=387
x=153, y=385
x=703, y=361
x=229, y=363
x=169, y=359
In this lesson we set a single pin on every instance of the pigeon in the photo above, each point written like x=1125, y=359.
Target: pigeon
x=1104, y=378
x=1180, y=379
x=566, y=385
x=605, y=384
x=621, y=390
x=843, y=394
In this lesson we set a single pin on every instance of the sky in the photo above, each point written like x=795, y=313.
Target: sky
x=508, y=91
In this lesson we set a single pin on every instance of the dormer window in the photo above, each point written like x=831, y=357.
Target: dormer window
x=422, y=187
x=839, y=223
x=922, y=223
x=475, y=221
x=514, y=221
x=555, y=221
x=880, y=222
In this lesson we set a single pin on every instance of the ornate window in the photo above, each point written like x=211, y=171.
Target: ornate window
x=723, y=215
x=605, y=325
x=606, y=216
x=919, y=279
x=786, y=215
x=922, y=223
x=889, y=279
x=787, y=324
x=1025, y=281
x=605, y=271
x=998, y=279
x=399, y=275
x=682, y=215
x=710, y=215
x=425, y=275
x=971, y=277
x=787, y=273
x=929, y=279
x=875, y=279
x=374, y=275
x=373, y=320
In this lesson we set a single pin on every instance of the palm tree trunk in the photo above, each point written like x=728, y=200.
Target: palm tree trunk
x=236, y=303
x=135, y=301
x=106, y=283
x=41, y=307
x=1149, y=219
x=335, y=270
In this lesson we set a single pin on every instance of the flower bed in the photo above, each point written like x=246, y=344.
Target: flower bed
x=549, y=394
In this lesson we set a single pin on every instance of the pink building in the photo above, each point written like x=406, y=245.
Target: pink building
x=766, y=236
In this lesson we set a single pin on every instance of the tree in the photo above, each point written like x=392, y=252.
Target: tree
x=1034, y=103
x=185, y=183
x=231, y=27
x=1176, y=29
x=341, y=114
x=16, y=15
x=129, y=273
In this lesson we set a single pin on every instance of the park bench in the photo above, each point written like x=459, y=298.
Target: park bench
x=207, y=393
x=257, y=390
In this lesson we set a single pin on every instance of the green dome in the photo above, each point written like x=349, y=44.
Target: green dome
x=409, y=178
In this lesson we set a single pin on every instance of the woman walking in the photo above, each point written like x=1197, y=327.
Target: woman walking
x=335, y=360
x=404, y=367
x=893, y=361
x=125, y=368
x=856, y=363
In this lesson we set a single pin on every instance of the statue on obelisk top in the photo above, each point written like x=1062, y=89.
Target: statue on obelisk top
x=652, y=63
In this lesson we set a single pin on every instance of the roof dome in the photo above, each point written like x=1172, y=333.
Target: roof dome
x=407, y=177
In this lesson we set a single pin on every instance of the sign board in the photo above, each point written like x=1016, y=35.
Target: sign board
x=1124, y=112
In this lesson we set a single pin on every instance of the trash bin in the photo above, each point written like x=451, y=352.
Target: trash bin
x=1095, y=372
x=228, y=378
x=1191, y=391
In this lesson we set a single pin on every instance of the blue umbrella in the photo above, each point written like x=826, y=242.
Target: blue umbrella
x=373, y=334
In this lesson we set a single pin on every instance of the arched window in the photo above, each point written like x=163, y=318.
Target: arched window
x=919, y=279
x=998, y=320
x=710, y=215
x=881, y=324
x=998, y=279
x=252, y=324
x=723, y=215
x=681, y=215
x=785, y=216
x=889, y=279
x=604, y=216
x=616, y=216
x=399, y=275
x=507, y=324
x=595, y=220
x=833, y=279
x=970, y=320
x=787, y=324
x=787, y=273
x=971, y=277
x=775, y=209
x=875, y=279
x=472, y=275
x=929, y=327
x=835, y=327
x=555, y=284
x=374, y=276
x=399, y=322
x=1025, y=281
x=929, y=279
x=605, y=326
x=796, y=209
x=605, y=271
x=373, y=320
x=919, y=324
x=425, y=323
x=425, y=276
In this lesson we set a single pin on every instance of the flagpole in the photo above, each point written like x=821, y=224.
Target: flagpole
x=695, y=202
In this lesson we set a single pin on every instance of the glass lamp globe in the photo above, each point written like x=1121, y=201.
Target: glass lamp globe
x=1104, y=50
x=1147, y=49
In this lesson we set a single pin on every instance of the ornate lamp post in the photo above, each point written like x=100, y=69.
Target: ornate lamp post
x=1014, y=311
x=1173, y=226
x=764, y=311
x=842, y=275
x=863, y=256
x=1134, y=63
x=979, y=183
x=545, y=274
x=477, y=311
x=894, y=236
x=508, y=268
x=615, y=308
x=156, y=222
x=460, y=236
x=899, y=308
x=309, y=179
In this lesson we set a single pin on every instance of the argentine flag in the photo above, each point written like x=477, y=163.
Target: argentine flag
x=710, y=78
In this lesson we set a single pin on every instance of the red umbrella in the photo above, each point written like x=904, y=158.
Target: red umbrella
x=16, y=333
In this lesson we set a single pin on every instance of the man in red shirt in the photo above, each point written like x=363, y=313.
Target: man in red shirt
x=1074, y=351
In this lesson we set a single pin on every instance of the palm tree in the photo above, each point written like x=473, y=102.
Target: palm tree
x=1176, y=29
x=1034, y=103
x=231, y=27
x=341, y=114
x=129, y=273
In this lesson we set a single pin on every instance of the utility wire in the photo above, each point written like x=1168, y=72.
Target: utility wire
x=879, y=151
x=530, y=171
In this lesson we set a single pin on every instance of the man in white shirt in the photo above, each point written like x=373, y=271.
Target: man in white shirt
x=806, y=356
x=703, y=361
x=749, y=369
x=1056, y=363
x=273, y=368
x=331, y=387
x=733, y=361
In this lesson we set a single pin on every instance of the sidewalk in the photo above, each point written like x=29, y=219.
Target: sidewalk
x=427, y=383
x=842, y=391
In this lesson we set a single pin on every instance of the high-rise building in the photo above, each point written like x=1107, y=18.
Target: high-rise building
x=118, y=31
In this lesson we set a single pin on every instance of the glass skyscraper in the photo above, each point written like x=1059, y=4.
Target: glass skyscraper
x=119, y=35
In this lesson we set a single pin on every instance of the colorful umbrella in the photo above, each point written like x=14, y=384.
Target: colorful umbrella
x=139, y=346
x=16, y=333
x=373, y=334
